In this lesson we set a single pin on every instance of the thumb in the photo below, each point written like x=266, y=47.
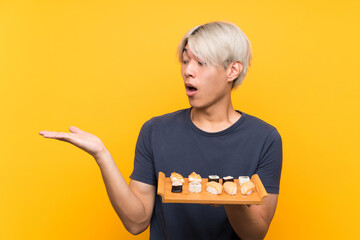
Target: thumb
x=74, y=129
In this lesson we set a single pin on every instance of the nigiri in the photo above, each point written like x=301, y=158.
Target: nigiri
x=214, y=187
x=230, y=188
x=247, y=188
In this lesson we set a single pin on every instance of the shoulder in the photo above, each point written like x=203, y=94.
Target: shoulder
x=257, y=122
x=259, y=126
x=167, y=119
x=164, y=125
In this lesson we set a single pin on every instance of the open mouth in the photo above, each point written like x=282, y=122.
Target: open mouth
x=190, y=90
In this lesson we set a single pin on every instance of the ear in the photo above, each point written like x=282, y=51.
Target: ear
x=233, y=70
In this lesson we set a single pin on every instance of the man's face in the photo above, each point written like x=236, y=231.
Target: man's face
x=205, y=85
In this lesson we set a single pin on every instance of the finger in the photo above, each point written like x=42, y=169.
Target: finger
x=42, y=132
x=45, y=133
x=74, y=129
x=55, y=135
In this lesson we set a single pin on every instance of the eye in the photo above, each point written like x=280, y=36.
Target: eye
x=201, y=63
x=185, y=61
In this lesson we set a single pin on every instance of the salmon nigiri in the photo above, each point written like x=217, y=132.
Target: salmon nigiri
x=230, y=188
x=247, y=188
x=214, y=187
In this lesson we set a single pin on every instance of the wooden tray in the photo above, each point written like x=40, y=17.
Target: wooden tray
x=204, y=197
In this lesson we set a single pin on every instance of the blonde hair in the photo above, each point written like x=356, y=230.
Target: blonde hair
x=219, y=44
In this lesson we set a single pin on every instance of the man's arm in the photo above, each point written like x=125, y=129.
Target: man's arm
x=252, y=221
x=133, y=203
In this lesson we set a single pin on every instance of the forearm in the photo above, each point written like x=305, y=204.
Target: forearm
x=246, y=222
x=127, y=205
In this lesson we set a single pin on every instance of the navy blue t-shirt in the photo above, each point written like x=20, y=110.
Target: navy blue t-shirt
x=172, y=143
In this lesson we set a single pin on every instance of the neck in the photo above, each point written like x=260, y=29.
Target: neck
x=216, y=117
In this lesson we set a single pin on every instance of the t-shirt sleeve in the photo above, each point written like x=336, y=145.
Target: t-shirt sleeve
x=270, y=164
x=144, y=170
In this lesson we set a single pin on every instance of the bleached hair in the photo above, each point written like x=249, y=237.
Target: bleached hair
x=219, y=44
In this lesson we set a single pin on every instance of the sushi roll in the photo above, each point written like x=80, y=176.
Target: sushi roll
x=176, y=187
x=228, y=179
x=193, y=177
x=247, y=188
x=194, y=187
x=213, y=178
x=230, y=188
x=214, y=187
x=175, y=177
x=243, y=179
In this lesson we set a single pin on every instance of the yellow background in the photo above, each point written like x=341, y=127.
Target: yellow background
x=108, y=66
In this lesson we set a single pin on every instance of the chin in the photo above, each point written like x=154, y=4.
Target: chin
x=197, y=104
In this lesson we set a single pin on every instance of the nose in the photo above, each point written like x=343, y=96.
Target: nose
x=189, y=70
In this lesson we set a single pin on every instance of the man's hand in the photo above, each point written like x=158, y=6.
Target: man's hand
x=81, y=139
x=252, y=221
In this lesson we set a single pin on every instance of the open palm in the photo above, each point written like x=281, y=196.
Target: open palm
x=81, y=139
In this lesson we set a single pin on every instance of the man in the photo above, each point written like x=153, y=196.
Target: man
x=208, y=138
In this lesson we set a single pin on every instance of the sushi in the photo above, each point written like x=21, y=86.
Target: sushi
x=243, y=179
x=176, y=187
x=214, y=178
x=228, y=179
x=194, y=187
x=193, y=177
x=230, y=188
x=175, y=177
x=247, y=188
x=214, y=187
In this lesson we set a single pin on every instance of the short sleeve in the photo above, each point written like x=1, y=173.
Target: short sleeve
x=144, y=170
x=270, y=164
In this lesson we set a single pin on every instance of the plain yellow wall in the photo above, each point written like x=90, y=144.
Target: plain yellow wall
x=108, y=66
